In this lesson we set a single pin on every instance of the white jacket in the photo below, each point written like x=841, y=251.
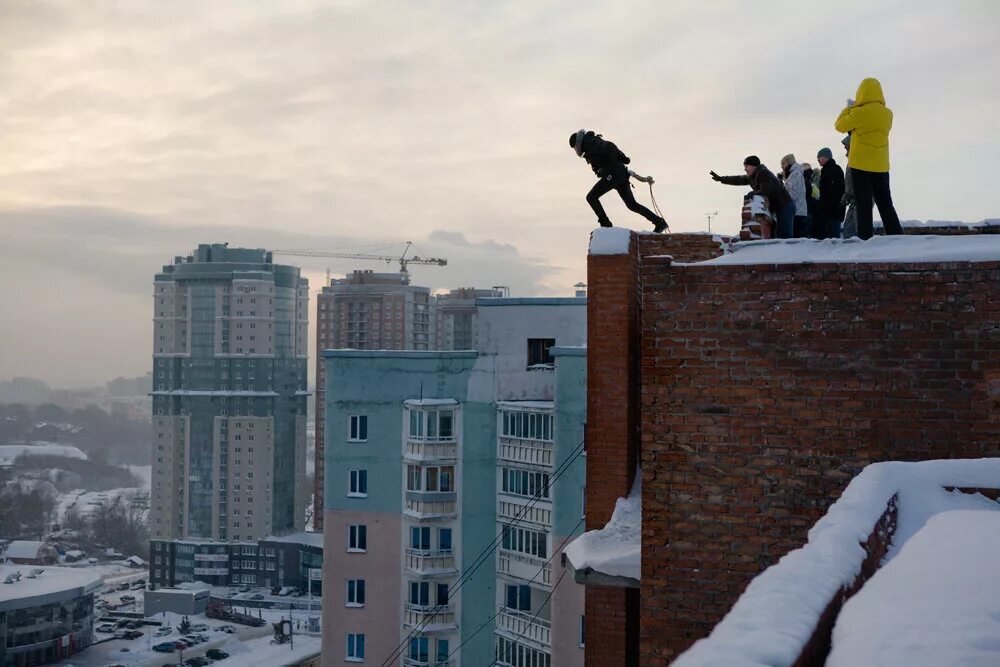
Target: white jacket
x=796, y=186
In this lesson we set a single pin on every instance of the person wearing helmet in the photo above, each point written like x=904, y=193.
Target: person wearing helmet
x=609, y=163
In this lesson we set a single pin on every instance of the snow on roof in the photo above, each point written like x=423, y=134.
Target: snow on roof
x=937, y=224
x=51, y=580
x=136, y=560
x=10, y=452
x=23, y=549
x=934, y=604
x=614, y=550
x=610, y=241
x=778, y=611
x=200, y=392
x=262, y=652
x=303, y=537
x=429, y=402
x=890, y=249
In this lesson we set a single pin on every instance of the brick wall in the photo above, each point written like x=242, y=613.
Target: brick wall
x=613, y=377
x=765, y=388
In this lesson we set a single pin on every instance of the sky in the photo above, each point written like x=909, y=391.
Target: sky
x=132, y=131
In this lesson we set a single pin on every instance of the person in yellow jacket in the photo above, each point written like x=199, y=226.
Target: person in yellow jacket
x=869, y=121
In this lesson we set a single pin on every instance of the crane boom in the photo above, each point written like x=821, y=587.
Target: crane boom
x=402, y=259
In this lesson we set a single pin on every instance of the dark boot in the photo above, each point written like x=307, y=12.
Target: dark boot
x=659, y=226
x=604, y=223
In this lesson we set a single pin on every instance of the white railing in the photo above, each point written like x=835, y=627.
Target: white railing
x=410, y=662
x=524, y=567
x=429, y=562
x=520, y=624
x=427, y=616
x=418, y=450
x=513, y=508
x=519, y=450
x=429, y=509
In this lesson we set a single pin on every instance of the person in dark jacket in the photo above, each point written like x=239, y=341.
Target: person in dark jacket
x=763, y=182
x=609, y=163
x=812, y=200
x=831, y=195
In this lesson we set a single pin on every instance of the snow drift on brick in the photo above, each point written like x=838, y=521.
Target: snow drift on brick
x=614, y=550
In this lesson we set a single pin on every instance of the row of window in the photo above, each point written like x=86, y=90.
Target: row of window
x=518, y=655
x=529, y=425
x=525, y=540
x=430, y=478
x=419, y=649
x=420, y=593
x=420, y=539
x=524, y=483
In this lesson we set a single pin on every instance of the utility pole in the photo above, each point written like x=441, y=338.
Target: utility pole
x=710, y=215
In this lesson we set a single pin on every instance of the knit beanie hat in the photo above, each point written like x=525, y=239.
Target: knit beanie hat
x=576, y=141
x=752, y=160
x=825, y=152
x=788, y=159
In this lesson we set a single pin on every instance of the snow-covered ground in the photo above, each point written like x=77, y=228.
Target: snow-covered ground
x=935, y=603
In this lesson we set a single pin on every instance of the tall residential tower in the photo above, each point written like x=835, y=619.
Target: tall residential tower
x=229, y=397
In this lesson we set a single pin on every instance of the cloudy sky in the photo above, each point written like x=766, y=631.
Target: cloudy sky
x=131, y=131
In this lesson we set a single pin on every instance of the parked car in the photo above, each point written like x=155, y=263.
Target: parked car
x=298, y=592
x=135, y=625
x=165, y=647
x=276, y=590
x=257, y=596
x=192, y=640
x=197, y=662
x=216, y=654
x=199, y=627
x=228, y=629
x=128, y=634
x=122, y=623
x=108, y=591
x=137, y=586
x=180, y=644
x=286, y=590
x=106, y=627
x=128, y=598
x=122, y=586
x=245, y=588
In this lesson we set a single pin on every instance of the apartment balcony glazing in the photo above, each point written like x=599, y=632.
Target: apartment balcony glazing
x=410, y=662
x=520, y=625
x=524, y=510
x=526, y=431
x=431, y=433
x=524, y=568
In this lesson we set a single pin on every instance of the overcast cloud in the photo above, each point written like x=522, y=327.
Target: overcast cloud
x=133, y=131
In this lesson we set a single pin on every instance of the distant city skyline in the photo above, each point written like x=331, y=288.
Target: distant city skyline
x=136, y=131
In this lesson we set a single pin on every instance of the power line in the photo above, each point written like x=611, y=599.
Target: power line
x=545, y=602
x=487, y=551
x=531, y=581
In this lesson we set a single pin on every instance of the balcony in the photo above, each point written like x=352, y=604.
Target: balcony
x=524, y=568
x=521, y=450
x=410, y=662
x=430, y=505
x=516, y=508
x=430, y=563
x=520, y=624
x=425, y=450
x=434, y=618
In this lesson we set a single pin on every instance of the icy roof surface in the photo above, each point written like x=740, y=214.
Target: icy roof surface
x=776, y=615
x=312, y=539
x=904, y=248
x=23, y=549
x=10, y=452
x=610, y=241
x=52, y=580
x=616, y=549
x=934, y=604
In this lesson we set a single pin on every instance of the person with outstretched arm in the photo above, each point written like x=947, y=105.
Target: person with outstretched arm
x=763, y=182
x=609, y=163
x=869, y=120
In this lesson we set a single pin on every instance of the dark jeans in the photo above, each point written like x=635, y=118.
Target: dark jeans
x=869, y=185
x=826, y=226
x=803, y=226
x=619, y=182
x=785, y=221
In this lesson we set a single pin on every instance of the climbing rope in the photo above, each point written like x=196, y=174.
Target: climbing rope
x=648, y=180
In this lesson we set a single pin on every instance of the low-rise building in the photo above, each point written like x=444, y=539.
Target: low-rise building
x=46, y=614
x=23, y=552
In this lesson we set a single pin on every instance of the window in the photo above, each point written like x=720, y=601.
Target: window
x=420, y=538
x=442, y=650
x=523, y=540
x=420, y=593
x=357, y=539
x=358, y=429
x=538, y=351
x=524, y=483
x=417, y=424
x=356, y=647
x=358, y=483
x=583, y=630
x=355, y=592
x=444, y=539
x=442, y=593
x=519, y=597
x=419, y=649
x=433, y=479
x=530, y=425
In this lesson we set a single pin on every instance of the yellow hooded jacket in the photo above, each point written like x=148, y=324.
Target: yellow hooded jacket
x=869, y=122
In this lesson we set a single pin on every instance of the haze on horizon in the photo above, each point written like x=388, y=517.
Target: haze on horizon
x=132, y=132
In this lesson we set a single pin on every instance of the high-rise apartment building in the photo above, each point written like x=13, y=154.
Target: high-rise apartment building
x=455, y=315
x=365, y=311
x=454, y=478
x=229, y=397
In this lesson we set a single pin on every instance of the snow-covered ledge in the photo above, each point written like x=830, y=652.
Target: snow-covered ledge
x=611, y=556
x=777, y=616
x=610, y=241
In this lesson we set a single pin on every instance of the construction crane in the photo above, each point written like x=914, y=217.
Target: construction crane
x=402, y=259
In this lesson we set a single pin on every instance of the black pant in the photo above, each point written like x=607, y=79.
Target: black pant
x=870, y=185
x=619, y=182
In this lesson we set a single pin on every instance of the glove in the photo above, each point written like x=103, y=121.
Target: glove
x=715, y=176
x=850, y=102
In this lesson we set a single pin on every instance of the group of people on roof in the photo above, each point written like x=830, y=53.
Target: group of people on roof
x=805, y=202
